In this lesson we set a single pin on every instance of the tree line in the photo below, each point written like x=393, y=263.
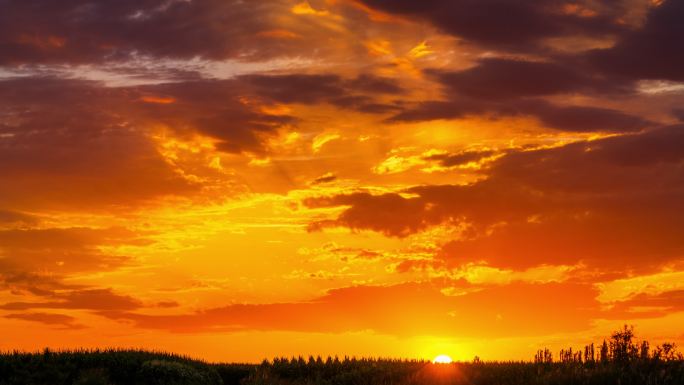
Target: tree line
x=621, y=347
x=619, y=359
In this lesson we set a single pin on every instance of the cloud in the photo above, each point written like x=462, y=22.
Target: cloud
x=50, y=319
x=81, y=299
x=650, y=52
x=383, y=309
x=500, y=79
x=67, y=142
x=23, y=283
x=354, y=93
x=73, y=142
x=374, y=85
x=679, y=114
x=389, y=214
x=584, y=118
x=644, y=305
x=506, y=24
x=507, y=88
x=325, y=178
x=558, y=117
x=231, y=110
x=614, y=203
x=461, y=158
x=220, y=109
x=77, y=31
x=10, y=217
x=65, y=250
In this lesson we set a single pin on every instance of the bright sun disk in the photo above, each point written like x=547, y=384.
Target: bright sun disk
x=442, y=359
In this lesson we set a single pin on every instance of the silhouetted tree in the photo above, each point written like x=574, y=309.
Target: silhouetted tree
x=604, y=353
x=621, y=348
x=589, y=353
x=644, y=350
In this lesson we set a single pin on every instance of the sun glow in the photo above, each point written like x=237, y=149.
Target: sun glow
x=442, y=359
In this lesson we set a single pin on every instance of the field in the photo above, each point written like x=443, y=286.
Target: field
x=616, y=361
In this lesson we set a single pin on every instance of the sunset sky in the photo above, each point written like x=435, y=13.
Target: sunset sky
x=241, y=179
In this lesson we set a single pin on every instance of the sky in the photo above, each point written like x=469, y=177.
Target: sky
x=238, y=180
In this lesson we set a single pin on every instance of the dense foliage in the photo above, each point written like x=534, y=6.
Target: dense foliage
x=619, y=360
x=111, y=367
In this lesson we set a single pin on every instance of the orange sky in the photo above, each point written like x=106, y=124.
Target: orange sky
x=240, y=180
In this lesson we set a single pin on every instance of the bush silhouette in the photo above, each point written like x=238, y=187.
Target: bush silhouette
x=97, y=376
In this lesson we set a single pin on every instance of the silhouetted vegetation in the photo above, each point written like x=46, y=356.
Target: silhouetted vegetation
x=111, y=367
x=618, y=360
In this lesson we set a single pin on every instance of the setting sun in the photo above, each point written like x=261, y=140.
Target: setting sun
x=442, y=359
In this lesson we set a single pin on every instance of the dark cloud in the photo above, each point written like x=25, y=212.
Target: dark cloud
x=23, y=283
x=51, y=319
x=505, y=88
x=75, y=142
x=230, y=110
x=390, y=214
x=584, y=118
x=650, y=52
x=216, y=108
x=501, y=79
x=433, y=110
x=35, y=262
x=383, y=309
x=507, y=24
x=356, y=93
x=63, y=250
x=374, y=85
x=72, y=142
x=85, y=299
x=461, y=158
x=557, y=117
x=296, y=88
x=167, y=304
x=10, y=217
x=679, y=114
x=84, y=31
x=325, y=178
x=644, y=305
x=614, y=203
